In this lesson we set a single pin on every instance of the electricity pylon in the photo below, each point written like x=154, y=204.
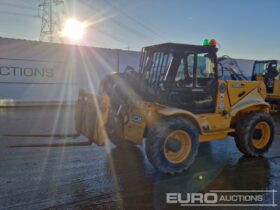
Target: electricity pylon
x=51, y=12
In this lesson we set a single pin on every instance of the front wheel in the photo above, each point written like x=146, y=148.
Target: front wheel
x=172, y=145
x=255, y=134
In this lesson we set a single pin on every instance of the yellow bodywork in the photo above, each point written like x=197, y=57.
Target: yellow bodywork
x=233, y=99
x=276, y=91
x=91, y=116
x=260, y=77
x=275, y=95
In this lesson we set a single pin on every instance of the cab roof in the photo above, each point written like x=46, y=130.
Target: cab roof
x=179, y=48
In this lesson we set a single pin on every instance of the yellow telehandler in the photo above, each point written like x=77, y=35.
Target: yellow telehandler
x=268, y=71
x=176, y=101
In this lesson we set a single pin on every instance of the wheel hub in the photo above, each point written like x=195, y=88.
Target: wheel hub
x=177, y=146
x=261, y=135
x=257, y=134
x=173, y=145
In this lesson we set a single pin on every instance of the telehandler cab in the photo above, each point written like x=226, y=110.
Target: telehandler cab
x=176, y=102
x=268, y=71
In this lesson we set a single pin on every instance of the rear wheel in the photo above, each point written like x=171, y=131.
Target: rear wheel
x=172, y=145
x=255, y=134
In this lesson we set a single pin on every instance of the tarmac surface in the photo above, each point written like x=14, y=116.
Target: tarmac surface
x=92, y=177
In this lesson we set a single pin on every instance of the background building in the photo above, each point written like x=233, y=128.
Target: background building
x=33, y=73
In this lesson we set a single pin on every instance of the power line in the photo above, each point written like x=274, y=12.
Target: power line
x=114, y=37
x=14, y=35
x=118, y=23
x=18, y=5
x=132, y=18
x=18, y=14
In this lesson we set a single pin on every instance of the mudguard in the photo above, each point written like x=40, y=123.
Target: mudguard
x=171, y=111
x=252, y=100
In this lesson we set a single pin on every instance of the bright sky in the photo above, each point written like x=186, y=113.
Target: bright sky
x=244, y=28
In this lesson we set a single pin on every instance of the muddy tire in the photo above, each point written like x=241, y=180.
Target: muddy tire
x=255, y=134
x=172, y=145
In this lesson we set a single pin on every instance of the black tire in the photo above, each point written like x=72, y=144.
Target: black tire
x=246, y=132
x=156, y=144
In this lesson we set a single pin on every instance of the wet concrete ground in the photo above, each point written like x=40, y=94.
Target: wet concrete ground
x=91, y=177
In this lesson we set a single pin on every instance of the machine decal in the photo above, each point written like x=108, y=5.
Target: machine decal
x=222, y=103
x=136, y=118
x=222, y=106
x=223, y=88
x=238, y=86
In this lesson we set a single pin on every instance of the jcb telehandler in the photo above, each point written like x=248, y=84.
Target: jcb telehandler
x=175, y=101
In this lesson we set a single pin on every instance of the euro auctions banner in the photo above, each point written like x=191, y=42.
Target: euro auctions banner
x=36, y=72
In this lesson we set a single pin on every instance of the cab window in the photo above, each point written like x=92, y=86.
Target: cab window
x=195, y=70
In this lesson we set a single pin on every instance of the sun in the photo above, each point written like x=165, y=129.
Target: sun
x=73, y=29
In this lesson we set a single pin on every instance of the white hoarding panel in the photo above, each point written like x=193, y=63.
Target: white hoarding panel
x=41, y=72
x=35, y=71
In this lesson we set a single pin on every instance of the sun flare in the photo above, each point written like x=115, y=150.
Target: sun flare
x=73, y=29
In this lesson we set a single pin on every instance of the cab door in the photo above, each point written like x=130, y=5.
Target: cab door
x=260, y=68
x=195, y=84
x=91, y=116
